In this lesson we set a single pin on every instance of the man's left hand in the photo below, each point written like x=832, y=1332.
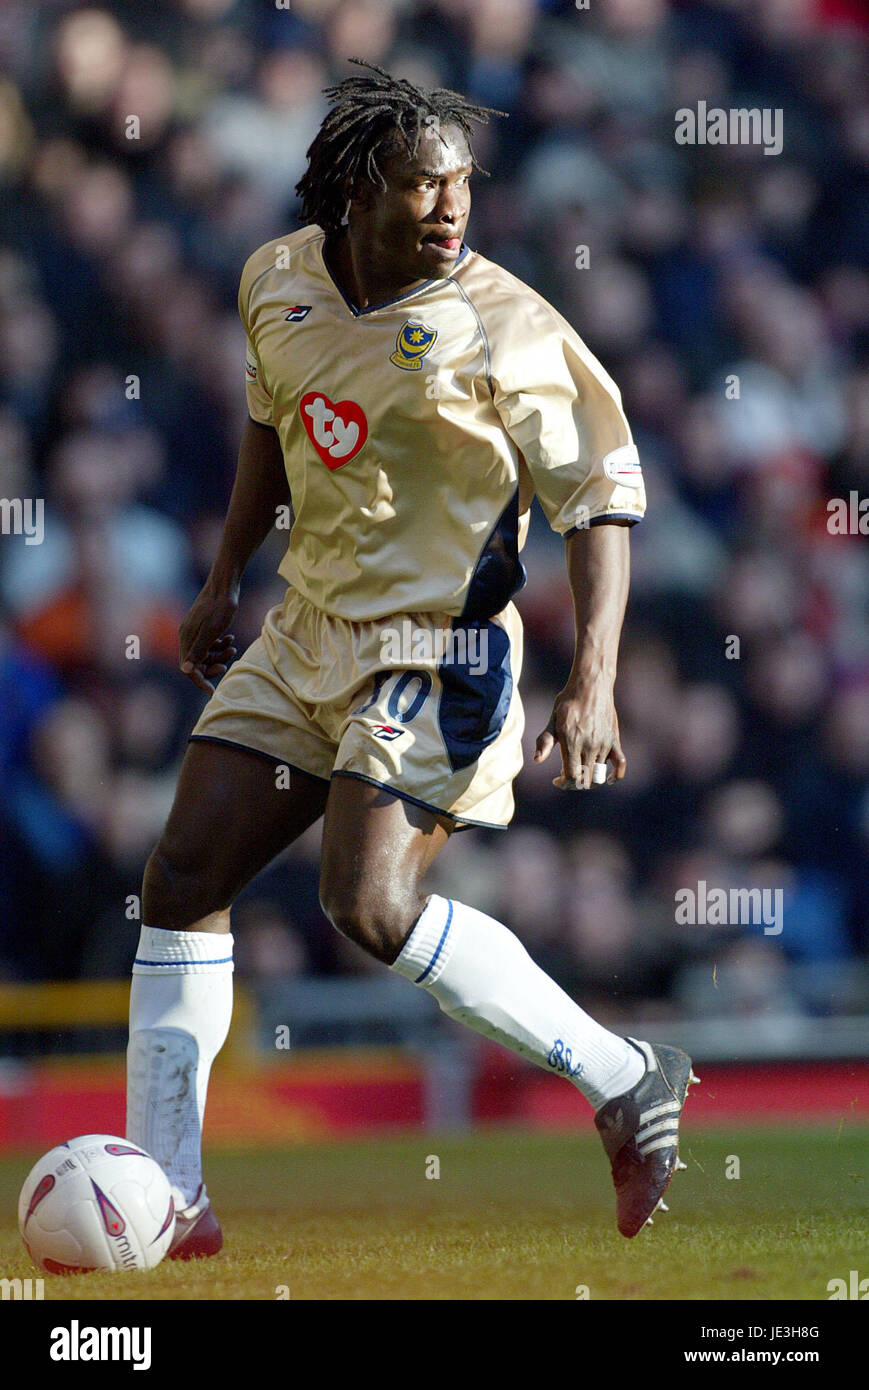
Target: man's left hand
x=585, y=726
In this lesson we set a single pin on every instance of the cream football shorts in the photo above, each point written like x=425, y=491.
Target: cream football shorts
x=424, y=705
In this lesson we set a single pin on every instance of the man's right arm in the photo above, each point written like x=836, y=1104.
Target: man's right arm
x=205, y=646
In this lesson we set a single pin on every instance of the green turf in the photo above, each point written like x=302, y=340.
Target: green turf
x=512, y=1216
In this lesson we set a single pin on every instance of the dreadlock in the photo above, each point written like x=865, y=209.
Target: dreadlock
x=367, y=113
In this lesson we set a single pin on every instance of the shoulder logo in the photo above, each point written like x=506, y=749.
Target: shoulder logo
x=294, y=312
x=414, y=340
x=623, y=466
x=337, y=429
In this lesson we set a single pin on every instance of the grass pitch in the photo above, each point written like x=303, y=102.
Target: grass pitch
x=511, y=1216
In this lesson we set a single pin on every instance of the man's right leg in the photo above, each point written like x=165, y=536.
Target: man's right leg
x=228, y=821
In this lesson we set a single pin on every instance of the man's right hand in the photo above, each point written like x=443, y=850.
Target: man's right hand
x=205, y=646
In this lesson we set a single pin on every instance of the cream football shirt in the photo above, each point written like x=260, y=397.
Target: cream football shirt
x=407, y=428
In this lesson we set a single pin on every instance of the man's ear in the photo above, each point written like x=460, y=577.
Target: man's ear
x=360, y=194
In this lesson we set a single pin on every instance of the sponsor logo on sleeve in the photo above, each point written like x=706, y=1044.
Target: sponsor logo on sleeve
x=622, y=466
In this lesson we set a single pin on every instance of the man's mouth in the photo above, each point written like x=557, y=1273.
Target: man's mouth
x=444, y=243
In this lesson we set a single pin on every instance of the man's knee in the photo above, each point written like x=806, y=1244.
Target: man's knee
x=376, y=918
x=180, y=891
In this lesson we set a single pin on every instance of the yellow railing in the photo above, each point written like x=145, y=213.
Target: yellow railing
x=61, y=1005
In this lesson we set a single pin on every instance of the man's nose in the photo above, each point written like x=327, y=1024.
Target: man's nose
x=451, y=205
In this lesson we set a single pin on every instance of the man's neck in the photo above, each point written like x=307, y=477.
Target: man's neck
x=360, y=284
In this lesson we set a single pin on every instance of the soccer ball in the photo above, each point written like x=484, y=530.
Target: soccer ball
x=96, y=1202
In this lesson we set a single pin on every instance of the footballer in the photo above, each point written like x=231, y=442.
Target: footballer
x=409, y=397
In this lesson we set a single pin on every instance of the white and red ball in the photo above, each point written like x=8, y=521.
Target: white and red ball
x=96, y=1202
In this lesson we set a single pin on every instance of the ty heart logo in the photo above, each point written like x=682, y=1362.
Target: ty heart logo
x=337, y=431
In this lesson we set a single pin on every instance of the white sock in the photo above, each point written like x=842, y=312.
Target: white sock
x=180, y=1009
x=481, y=975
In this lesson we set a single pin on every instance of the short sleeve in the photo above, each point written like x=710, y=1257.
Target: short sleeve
x=259, y=402
x=565, y=414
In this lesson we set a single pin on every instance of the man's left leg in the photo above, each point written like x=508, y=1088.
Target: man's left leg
x=376, y=849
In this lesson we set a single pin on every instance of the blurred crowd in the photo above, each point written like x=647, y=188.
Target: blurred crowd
x=726, y=291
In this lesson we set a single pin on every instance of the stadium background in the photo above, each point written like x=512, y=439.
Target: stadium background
x=121, y=404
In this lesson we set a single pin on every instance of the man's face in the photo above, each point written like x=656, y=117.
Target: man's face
x=413, y=229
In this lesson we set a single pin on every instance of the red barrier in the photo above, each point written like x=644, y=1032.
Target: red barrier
x=781, y=1092
x=339, y=1094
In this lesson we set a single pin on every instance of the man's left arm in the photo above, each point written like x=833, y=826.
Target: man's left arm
x=584, y=723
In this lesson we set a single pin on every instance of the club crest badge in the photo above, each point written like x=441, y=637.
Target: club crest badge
x=413, y=342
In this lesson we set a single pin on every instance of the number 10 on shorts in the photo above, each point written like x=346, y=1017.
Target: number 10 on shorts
x=406, y=699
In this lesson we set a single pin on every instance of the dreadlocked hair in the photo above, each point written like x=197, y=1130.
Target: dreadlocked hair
x=367, y=114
